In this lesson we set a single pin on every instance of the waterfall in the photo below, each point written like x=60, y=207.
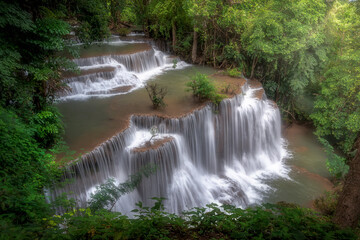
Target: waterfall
x=203, y=157
x=130, y=71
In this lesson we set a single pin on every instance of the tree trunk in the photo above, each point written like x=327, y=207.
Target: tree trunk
x=173, y=35
x=194, y=48
x=253, y=67
x=214, y=50
x=347, y=211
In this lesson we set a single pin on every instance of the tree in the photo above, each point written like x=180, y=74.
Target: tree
x=347, y=213
x=141, y=8
x=284, y=47
x=337, y=107
x=94, y=20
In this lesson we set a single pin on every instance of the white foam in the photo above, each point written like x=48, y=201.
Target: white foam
x=157, y=63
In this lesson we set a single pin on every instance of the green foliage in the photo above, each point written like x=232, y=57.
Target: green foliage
x=217, y=98
x=25, y=170
x=164, y=15
x=233, y=55
x=279, y=221
x=31, y=35
x=128, y=14
x=277, y=38
x=30, y=69
x=107, y=194
x=48, y=127
x=154, y=222
x=337, y=107
x=202, y=87
x=335, y=164
x=94, y=20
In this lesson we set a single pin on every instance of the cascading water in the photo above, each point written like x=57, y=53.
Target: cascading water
x=205, y=157
x=128, y=72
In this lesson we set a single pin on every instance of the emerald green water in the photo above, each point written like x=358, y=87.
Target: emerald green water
x=308, y=177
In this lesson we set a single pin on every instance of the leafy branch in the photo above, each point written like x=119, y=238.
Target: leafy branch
x=108, y=193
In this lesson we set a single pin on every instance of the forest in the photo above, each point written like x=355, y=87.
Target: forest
x=305, y=53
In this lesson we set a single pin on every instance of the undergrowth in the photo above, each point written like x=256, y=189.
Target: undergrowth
x=270, y=221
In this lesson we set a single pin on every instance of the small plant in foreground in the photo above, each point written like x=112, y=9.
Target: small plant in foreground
x=156, y=94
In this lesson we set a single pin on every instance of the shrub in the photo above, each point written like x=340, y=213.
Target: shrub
x=156, y=94
x=202, y=87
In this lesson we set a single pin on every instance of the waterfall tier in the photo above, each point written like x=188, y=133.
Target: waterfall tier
x=130, y=71
x=206, y=157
